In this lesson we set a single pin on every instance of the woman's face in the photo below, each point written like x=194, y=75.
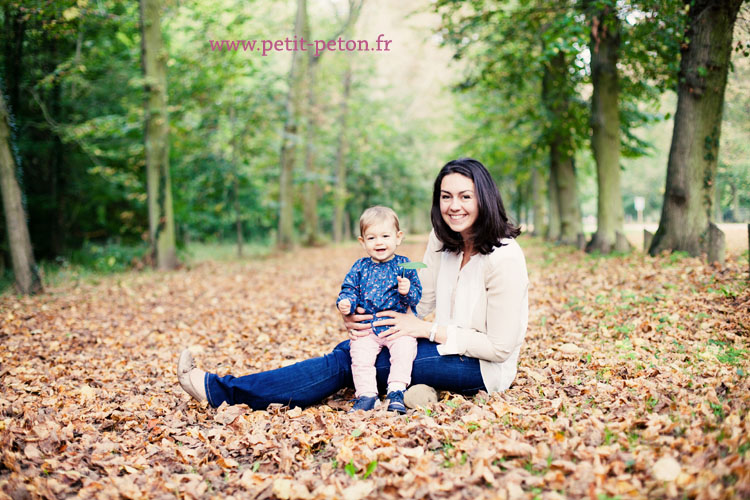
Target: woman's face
x=458, y=203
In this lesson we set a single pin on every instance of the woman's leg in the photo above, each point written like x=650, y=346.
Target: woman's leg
x=460, y=374
x=309, y=382
x=301, y=384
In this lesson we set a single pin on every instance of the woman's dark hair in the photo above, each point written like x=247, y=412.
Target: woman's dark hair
x=491, y=225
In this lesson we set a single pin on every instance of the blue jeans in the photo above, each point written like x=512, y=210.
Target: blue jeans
x=309, y=382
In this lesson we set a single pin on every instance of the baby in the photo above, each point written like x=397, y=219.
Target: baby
x=377, y=283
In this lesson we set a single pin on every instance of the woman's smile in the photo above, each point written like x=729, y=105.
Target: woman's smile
x=458, y=203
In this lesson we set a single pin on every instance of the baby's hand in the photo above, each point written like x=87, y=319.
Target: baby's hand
x=345, y=307
x=403, y=285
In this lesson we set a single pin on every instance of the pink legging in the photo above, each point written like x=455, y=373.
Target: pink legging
x=364, y=350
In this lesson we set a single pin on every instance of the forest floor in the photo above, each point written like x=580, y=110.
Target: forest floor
x=633, y=382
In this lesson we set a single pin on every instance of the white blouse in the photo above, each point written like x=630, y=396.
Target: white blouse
x=485, y=306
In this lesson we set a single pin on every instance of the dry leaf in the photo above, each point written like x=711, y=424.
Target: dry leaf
x=666, y=469
x=358, y=490
x=90, y=406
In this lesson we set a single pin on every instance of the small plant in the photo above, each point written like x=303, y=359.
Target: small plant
x=718, y=411
x=609, y=436
x=351, y=469
x=370, y=469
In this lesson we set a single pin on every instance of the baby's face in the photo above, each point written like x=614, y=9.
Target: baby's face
x=380, y=240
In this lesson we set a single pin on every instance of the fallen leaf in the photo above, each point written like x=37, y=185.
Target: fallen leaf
x=666, y=469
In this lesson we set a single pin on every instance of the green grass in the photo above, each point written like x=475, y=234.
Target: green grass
x=93, y=261
x=224, y=251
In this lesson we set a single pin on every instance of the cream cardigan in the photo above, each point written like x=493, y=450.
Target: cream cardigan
x=485, y=306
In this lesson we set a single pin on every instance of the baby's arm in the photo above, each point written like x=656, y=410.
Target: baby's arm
x=345, y=306
x=403, y=285
x=347, y=299
x=414, y=290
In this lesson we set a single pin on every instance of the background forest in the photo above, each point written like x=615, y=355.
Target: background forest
x=288, y=147
x=142, y=134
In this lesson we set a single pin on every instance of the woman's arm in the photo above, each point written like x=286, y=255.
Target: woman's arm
x=357, y=323
x=507, y=310
x=428, y=276
x=402, y=324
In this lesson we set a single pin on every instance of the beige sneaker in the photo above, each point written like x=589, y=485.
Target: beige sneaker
x=186, y=376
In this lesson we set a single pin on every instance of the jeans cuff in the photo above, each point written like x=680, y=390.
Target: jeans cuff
x=208, y=391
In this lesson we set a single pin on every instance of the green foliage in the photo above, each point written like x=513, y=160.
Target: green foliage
x=77, y=122
x=72, y=75
x=507, y=46
x=351, y=469
x=109, y=257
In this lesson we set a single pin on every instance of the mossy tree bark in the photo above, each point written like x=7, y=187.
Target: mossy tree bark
x=24, y=268
x=160, y=213
x=605, y=130
x=553, y=225
x=556, y=99
x=340, y=227
x=685, y=222
x=285, y=236
x=539, y=207
x=313, y=171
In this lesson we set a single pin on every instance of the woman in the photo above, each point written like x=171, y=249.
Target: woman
x=475, y=281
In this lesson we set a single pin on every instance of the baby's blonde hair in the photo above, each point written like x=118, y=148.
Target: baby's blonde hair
x=376, y=214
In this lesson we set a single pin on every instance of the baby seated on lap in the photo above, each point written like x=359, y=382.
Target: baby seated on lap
x=377, y=283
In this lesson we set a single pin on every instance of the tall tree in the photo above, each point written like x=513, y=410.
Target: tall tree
x=537, y=197
x=528, y=53
x=556, y=98
x=605, y=127
x=553, y=223
x=236, y=179
x=340, y=229
x=154, y=59
x=313, y=172
x=285, y=236
x=24, y=268
x=691, y=169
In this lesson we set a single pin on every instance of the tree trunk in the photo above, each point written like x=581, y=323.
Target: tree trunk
x=567, y=193
x=285, y=236
x=311, y=225
x=605, y=130
x=693, y=155
x=236, y=181
x=553, y=227
x=537, y=194
x=24, y=267
x=735, y=203
x=312, y=185
x=160, y=214
x=341, y=228
x=557, y=101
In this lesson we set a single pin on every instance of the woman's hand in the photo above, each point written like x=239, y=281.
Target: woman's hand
x=354, y=325
x=402, y=324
